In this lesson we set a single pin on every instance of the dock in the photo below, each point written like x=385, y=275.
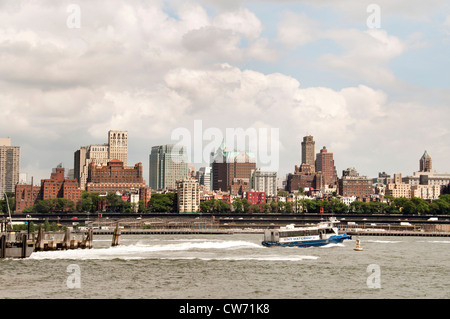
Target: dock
x=157, y=226
x=163, y=231
x=61, y=240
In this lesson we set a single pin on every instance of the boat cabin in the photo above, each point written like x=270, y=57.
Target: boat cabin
x=274, y=235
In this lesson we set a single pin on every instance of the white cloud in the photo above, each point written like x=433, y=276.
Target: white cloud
x=365, y=55
x=297, y=29
x=242, y=21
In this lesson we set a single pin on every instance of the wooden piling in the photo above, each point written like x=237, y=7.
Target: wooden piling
x=24, y=245
x=40, y=240
x=3, y=246
x=87, y=242
x=116, y=236
x=66, y=242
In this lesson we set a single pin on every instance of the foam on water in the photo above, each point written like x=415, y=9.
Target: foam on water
x=441, y=241
x=385, y=241
x=332, y=245
x=143, y=250
x=261, y=258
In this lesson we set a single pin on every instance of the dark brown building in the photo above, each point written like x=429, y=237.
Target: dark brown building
x=351, y=184
x=426, y=164
x=303, y=177
x=228, y=166
x=239, y=187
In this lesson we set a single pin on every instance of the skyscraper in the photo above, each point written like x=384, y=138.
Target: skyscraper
x=100, y=154
x=118, y=146
x=168, y=164
x=308, y=152
x=9, y=166
x=426, y=165
x=325, y=164
x=230, y=167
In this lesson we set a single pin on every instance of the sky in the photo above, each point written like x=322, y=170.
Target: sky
x=370, y=80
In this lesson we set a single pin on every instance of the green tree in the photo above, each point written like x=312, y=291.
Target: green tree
x=274, y=207
x=223, y=206
x=421, y=205
x=162, y=203
x=336, y=206
x=237, y=205
x=440, y=206
x=265, y=208
x=289, y=207
x=356, y=207
x=282, y=193
x=206, y=206
x=246, y=206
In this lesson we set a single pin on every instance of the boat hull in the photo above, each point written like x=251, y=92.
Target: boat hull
x=310, y=243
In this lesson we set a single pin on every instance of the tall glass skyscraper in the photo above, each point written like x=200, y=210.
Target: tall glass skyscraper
x=168, y=164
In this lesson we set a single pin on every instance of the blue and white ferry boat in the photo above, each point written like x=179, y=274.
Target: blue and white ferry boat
x=322, y=234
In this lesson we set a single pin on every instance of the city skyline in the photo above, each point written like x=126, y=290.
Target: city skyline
x=415, y=172
x=376, y=96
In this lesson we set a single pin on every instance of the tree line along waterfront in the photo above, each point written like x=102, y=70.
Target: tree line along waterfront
x=167, y=203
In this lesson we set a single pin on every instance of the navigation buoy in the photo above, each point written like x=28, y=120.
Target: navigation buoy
x=358, y=247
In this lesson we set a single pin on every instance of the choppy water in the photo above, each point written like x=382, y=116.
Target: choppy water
x=233, y=266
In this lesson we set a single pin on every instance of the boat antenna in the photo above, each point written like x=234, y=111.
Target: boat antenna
x=9, y=211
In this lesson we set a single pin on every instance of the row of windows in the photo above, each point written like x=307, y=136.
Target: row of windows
x=306, y=232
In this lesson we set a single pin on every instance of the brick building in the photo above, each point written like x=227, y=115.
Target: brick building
x=26, y=196
x=100, y=154
x=351, y=184
x=256, y=197
x=304, y=177
x=239, y=186
x=57, y=186
x=325, y=165
x=115, y=177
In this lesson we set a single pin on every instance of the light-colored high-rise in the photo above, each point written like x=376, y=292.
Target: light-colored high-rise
x=118, y=146
x=398, y=188
x=167, y=165
x=9, y=166
x=100, y=154
x=263, y=181
x=188, y=195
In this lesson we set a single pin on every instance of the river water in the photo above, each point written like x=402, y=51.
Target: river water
x=233, y=266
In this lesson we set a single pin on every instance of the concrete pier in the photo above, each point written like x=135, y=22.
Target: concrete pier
x=45, y=241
